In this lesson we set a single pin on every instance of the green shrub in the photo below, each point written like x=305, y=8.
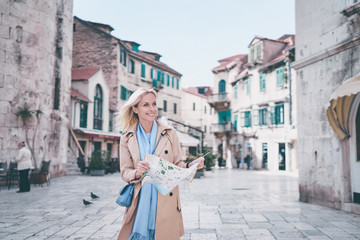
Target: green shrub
x=97, y=160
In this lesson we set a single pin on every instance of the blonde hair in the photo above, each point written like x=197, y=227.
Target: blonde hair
x=127, y=117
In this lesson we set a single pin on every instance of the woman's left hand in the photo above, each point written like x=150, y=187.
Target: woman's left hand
x=199, y=160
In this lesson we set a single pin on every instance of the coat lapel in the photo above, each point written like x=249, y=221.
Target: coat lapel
x=162, y=129
x=133, y=144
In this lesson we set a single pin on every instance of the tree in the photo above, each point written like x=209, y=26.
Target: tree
x=26, y=116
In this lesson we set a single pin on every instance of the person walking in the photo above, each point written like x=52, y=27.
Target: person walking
x=24, y=164
x=151, y=215
x=238, y=159
x=248, y=159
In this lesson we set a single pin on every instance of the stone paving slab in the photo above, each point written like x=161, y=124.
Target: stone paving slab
x=226, y=204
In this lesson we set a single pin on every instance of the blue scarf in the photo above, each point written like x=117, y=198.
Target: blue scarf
x=144, y=225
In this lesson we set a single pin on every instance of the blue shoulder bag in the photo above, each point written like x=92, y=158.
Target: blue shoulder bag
x=126, y=195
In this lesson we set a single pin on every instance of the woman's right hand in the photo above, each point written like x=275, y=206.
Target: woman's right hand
x=141, y=167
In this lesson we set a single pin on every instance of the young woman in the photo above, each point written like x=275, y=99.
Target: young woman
x=151, y=215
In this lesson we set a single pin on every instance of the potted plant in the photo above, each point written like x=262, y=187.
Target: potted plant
x=97, y=163
x=209, y=159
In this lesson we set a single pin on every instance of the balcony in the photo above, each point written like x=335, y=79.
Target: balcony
x=221, y=129
x=220, y=101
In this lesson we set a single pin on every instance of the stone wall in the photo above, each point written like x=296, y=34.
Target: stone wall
x=35, y=68
x=93, y=47
x=322, y=156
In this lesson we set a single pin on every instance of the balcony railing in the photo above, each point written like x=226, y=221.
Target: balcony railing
x=221, y=127
x=219, y=97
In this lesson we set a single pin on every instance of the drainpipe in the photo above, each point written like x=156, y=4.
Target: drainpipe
x=290, y=96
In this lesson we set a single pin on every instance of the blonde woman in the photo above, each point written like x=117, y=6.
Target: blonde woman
x=151, y=215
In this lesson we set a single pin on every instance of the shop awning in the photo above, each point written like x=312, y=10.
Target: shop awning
x=98, y=134
x=186, y=140
x=340, y=105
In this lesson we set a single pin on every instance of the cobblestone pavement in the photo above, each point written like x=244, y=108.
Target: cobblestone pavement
x=225, y=204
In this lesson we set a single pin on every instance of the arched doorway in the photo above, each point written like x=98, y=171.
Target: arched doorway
x=354, y=142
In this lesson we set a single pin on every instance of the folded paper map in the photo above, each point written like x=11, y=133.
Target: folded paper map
x=165, y=175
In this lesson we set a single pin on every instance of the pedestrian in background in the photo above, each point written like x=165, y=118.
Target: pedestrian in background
x=24, y=164
x=151, y=215
x=248, y=159
x=238, y=159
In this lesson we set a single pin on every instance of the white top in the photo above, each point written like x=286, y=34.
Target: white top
x=24, y=159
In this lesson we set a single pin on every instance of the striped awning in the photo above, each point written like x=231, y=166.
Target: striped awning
x=340, y=105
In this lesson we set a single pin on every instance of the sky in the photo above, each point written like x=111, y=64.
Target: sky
x=192, y=35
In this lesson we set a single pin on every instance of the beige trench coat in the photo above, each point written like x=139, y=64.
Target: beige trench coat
x=169, y=222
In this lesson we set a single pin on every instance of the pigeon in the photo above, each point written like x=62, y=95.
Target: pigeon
x=86, y=202
x=93, y=196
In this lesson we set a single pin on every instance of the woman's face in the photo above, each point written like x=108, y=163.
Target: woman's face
x=146, y=108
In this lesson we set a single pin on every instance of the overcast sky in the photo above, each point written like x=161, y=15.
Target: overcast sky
x=191, y=35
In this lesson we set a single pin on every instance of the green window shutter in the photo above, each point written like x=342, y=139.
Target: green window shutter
x=158, y=75
x=262, y=117
x=272, y=115
x=177, y=83
x=125, y=58
x=262, y=82
x=280, y=77
x=235, y=122
x=247, y=119
x=143, y=70
x=175, y=106
x=173, y=82
x=123, y=95
x=154, y=83
x=224, y=116
x=152, y=73
x=168, y=80
x=121, y=55
x=162, y=78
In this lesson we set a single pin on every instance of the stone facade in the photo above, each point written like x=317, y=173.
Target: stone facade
x=327, y=50
x=35, y=68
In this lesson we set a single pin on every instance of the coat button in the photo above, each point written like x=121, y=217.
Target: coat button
x=171, y=194
x=166, y=151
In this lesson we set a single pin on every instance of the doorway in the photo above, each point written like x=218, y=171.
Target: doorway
x=354, y=140
x=282, y=159
x=264, y=156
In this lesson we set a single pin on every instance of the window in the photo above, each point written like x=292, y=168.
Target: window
x=143, y=70
x=168, y=80
x=248, y=86
x=152, y=73
x=111, y=118
x=83, y=114
x=222, y=86
x=158, y=76
x=57, y=94
x=252, y=57
x=98, y=100
x=123, y=57
x=255, y=117
x=262, y=116
x=280, y=77
x=262, y=82
x=193, y=106
x=165, y=106
x=131, y=67
x=123, y=95
x=235, y=91
x=175, y=108
x=210, y=110
x=135, y=48
x=205, y=109
x=162, y=78
x=173, y=82
x=177, y=83
x=205, y=128
x=246, y=119
x=277, y=114
x=224, y=116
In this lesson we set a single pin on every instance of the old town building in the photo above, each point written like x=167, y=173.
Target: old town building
x=35, y=77
x=92, y=115
x=254, y=100
x=328, y=83
x=126, y=67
